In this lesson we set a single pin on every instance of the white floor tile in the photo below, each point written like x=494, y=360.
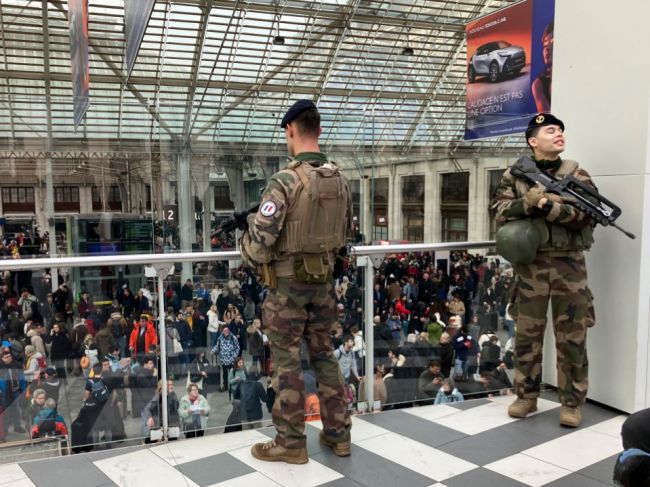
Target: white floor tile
x=141, y=468
x=21, y=483
x=310, y=474
x=361, y=430
x=527, y=470
x=416, y=456
x=478, y=419
x=254, y=479
x=577, y=450
x=611, y=427
x=178, y=452
x=432, y=413
x=11, y=473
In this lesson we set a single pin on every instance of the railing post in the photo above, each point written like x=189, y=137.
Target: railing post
x=162, y=270
x=365, y=262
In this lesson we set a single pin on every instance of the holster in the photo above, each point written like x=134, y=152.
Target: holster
x=269, y=276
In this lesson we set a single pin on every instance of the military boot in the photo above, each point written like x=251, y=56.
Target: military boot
x=570, y=416
x=272, y=452
x=341, y=449
x=521, y=407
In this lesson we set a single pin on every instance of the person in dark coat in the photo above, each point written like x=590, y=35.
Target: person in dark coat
x=61, y=348
x=252, y=396
x=12, y=386
x=446, y=354
x=144, y=386
x=255, y=342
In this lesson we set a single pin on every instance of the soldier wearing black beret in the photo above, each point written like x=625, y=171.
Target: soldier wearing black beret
x=553, y=272
x=303, y=219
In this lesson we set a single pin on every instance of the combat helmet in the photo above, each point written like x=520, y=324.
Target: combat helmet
x=518, y=241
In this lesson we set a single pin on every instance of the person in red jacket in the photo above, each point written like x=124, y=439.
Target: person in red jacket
x=142, y=337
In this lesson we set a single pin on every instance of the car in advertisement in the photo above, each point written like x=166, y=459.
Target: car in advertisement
x=496, y=59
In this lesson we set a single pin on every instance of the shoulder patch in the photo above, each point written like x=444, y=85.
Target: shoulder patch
x=268, y=208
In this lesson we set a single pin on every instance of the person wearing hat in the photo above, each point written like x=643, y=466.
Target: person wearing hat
x=304, y=218
x=632, y=468
x=544, y=238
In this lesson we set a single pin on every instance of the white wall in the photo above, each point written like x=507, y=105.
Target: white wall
x=601, y=88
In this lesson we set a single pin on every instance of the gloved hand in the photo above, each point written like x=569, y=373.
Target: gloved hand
x=533, y=195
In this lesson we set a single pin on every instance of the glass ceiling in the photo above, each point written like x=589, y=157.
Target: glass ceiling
x=209, y=76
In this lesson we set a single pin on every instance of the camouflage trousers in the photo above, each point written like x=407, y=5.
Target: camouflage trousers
x=560, y=277
x=292, y=313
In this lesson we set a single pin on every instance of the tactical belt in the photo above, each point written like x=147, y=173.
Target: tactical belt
x=285, y=266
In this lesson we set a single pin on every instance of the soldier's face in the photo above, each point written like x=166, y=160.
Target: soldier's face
x=549, y=141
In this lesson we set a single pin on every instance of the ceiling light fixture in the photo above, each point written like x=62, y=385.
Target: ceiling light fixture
x=407, y=51
x=278, y=40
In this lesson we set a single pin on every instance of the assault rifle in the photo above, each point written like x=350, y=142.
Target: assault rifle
x=573, y=191
x=238, y=220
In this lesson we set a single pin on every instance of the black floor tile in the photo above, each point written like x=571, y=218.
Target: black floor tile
x=469, y=404
x=414, y=427
x=492, y=445
x=71, y=471
x=482, y=477
x=576, y=480
x=602, y=471
x=214, y=469
x=369, y=469
x=344, y=482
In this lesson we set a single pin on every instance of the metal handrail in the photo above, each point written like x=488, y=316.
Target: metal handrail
x=424, y=247
x=363, y=254
x=104, y=260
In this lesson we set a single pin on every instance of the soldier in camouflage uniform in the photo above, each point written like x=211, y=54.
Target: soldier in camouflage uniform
x=558, y=274
x=304, y=216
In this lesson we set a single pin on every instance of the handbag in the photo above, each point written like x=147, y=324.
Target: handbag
x=193, y=425
x=176, y=345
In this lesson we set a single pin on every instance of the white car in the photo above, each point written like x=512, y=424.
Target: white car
x=495, y=59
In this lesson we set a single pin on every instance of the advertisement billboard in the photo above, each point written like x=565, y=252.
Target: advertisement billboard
x=80, y=68
x=509, y=68
x=136, y=18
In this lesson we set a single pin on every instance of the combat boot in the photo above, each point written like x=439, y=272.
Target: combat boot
x=340, y=449
x=521, y=407
x=272, y=452
x=570, y=416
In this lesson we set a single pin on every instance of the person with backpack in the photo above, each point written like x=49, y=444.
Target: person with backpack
x=97, y=402
x=118, y=326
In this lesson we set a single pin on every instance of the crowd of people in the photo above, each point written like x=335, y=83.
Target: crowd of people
x=436, y=333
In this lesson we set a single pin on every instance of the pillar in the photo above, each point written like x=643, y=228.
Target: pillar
x=601, y=92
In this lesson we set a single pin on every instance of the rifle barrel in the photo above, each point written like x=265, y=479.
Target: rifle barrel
x=628, y=234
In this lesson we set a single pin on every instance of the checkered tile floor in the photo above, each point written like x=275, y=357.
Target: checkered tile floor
x=473, y=444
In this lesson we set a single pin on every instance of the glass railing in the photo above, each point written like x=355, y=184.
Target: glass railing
x=141, y=325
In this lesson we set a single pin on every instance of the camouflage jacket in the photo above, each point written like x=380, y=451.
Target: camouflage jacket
x=278, y=199
x=567, y=227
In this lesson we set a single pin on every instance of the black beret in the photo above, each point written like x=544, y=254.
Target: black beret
x=295, y=110
x=542, y=119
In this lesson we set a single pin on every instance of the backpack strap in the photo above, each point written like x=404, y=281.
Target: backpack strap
x=300, y=171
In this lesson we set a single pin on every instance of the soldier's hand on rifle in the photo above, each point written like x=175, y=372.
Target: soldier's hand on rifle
x=556, y=198
x=535, y=197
